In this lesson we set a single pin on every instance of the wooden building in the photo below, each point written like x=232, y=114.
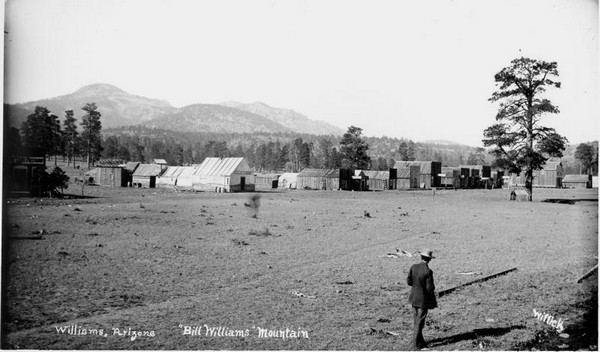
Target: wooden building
x=22, y=175
x=266, y=181
x=429, y=172
x=550, y=176
x=377, y=180
x=145, y=175
x=450, y=177
x=318, y=179
x=577, y=181
x=408, y=177
x=111, y=173
x=479, y=176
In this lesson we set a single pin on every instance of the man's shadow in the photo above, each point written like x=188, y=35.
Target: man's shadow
x=473, y=335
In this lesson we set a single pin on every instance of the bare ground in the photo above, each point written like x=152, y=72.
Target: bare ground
x=157, y=260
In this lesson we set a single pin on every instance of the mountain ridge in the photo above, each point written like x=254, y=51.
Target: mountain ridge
x=120, y=108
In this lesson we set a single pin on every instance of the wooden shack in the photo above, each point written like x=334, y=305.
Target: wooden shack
x=360, y=181
x=145, y=175
x=479, y=175
x=577, y=181
x=429, y=172
x=450, y=177
x=551, y=176
x=408, y=177
x=378, y=180
x=111, y=173
x=266, y=180
x=318, y=179
x=22, y=175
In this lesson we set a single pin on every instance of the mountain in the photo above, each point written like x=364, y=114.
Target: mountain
x=118, y=108
x=288, y=118
x=215, y=118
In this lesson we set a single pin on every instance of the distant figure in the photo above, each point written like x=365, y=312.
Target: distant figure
x=366, y=214
x=254, y=204
x=421, y=297
x=513, y=195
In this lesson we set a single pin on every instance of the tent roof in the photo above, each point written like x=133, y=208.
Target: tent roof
x=147, y=170
x=218, y=166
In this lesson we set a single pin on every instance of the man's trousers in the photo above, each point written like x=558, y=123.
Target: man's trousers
x=419, y=315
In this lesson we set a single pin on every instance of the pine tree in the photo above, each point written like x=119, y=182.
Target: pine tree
x=91, y=137
x=70, y=136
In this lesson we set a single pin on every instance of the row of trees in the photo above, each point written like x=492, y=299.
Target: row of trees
x=41, y=134
x=271, y=155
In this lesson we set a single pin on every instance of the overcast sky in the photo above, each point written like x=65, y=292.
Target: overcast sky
x=416, y=69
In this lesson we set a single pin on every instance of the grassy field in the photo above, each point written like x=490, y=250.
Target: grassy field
x=159, y=269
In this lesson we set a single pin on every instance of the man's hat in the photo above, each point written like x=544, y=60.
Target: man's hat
x=427, y=253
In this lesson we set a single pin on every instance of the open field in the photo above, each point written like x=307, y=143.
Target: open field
x=157, y=260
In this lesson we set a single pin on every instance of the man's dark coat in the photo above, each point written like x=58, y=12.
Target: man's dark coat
x=422, y=294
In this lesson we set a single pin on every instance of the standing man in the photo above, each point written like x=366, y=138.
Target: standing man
x=422, y=296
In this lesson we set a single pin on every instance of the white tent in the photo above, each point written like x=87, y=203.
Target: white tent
x=288, y=180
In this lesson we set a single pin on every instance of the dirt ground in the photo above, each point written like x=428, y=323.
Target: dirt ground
x=159, y=269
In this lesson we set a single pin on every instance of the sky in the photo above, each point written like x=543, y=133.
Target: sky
x=422, y=69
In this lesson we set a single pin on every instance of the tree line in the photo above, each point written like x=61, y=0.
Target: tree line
x=83, y=138
x=41, y=135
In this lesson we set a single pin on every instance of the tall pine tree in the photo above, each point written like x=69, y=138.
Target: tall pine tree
x=91, y=137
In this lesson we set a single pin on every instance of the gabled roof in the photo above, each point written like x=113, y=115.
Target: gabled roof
x=218, y=166
x=131, y=165
x=145, y=170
